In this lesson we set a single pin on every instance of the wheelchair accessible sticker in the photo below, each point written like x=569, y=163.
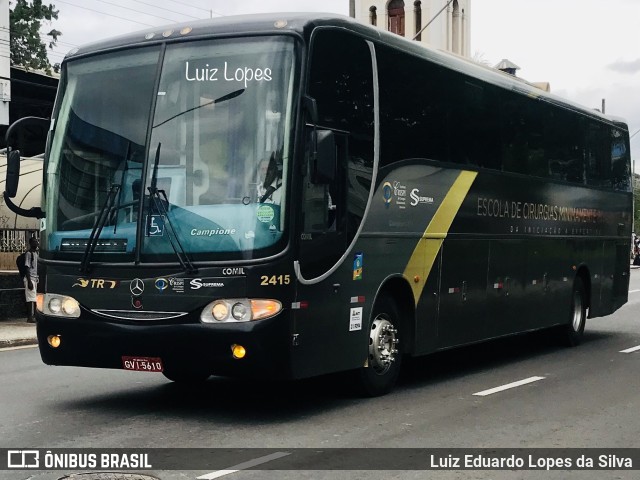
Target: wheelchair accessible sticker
x=265, y=213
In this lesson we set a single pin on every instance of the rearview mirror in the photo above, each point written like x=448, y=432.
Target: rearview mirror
x=13, y=173
x=324, y=164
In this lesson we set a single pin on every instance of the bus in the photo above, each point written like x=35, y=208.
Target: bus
x=293, y=195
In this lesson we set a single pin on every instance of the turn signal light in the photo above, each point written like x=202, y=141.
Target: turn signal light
x=238, y=351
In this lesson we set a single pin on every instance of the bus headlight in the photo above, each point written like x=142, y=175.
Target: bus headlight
x=239, y=310
x=58, y=305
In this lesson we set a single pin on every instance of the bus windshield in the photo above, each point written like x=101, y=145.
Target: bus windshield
x=197, y=155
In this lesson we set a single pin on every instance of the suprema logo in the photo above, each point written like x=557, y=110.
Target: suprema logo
x=416, y=198
x=198, y=283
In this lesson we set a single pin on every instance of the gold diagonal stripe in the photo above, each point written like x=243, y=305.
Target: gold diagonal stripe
x=428, y=246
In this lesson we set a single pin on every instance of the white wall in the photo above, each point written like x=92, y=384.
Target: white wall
x=439, y=34
x=5, y=66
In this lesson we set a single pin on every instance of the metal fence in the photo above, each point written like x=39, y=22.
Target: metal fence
x=12, y=243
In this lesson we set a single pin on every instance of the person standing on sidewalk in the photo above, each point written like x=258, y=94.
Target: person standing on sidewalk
x=31, y=279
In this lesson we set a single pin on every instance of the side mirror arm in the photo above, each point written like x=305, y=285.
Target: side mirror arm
x=34, y=212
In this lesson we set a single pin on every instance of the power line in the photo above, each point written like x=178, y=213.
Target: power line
x=166, y=9
x=137, y=11
x=104, y=13
x=199, y=8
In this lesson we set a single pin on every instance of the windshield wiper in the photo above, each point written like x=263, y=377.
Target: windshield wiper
x=159, y=206
x=224, y=98
x=124, y=172
x=274, y=174
x=107, y=207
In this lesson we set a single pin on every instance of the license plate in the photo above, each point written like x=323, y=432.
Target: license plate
x=142, y=364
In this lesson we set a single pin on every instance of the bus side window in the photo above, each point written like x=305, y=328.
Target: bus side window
x=597, y=155
x=620, y=162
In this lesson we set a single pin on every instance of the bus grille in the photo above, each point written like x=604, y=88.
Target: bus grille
x=138, y=315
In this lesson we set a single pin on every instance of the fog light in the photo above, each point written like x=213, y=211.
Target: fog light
x=238, y=351
x=54, y=340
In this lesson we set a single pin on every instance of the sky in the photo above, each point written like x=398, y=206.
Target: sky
x=588, y=50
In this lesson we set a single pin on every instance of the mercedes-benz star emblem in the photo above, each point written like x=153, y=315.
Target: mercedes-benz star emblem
x=136, y=287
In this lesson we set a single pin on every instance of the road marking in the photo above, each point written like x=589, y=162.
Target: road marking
x=634, y=291
x=21, y=347
x=631, y=350
x=484, y=393
x=243, y=466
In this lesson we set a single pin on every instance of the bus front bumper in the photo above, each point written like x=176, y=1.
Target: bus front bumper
x=194, y=346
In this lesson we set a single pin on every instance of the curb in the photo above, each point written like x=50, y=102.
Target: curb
x=18, y=342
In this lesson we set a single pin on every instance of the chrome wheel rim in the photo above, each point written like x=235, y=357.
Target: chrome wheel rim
x=383, y=339
x=577, y=311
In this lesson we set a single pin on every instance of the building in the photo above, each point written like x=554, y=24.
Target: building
x=450, y=27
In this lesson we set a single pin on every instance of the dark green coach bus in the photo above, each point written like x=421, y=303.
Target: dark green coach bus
x=292, y=195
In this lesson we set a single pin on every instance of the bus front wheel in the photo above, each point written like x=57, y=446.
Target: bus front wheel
x=574, y=330
x=384, y=358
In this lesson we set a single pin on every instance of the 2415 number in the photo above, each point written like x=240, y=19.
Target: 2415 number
x=266, y=280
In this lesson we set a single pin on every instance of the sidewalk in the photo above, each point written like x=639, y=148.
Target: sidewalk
x=17, y=332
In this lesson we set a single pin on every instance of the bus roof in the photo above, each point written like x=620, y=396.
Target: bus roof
x=304, y=23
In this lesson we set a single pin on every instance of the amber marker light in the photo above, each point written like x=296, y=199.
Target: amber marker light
x=264, y=308
x=54, y=340
x=40, y=302
x=238, y=351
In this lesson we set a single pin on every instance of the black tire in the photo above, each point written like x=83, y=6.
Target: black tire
x=186, y=376
x=574, y=330
x=383, y=366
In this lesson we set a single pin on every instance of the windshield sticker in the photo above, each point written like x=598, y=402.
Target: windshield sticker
x=358, y=261
x=155, y=226
x=227, y=73
x=265, y=213
x=212, y=232
x=250, y=234
x=355, y=319
x=95, y=283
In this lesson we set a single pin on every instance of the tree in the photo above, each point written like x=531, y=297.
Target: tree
x=27, y=47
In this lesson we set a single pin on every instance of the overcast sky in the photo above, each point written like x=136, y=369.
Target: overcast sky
x=588, y=50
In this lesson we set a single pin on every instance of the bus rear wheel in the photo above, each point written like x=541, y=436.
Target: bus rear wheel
x=574, y=330
x=384, y=358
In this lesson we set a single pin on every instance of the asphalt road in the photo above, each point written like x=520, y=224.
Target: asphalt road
x=585, y=397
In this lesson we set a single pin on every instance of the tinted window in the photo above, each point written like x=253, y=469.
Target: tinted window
x=415, y=108
x=597, y=155
x=341, y=82
x=620, y=161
